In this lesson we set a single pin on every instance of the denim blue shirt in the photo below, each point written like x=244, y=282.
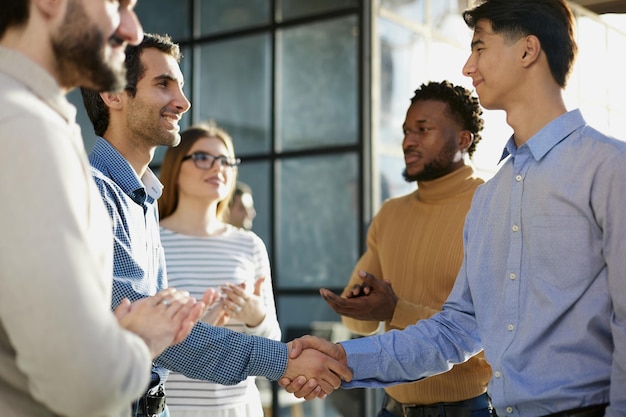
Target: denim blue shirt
x=210, y=353
x=542, y=286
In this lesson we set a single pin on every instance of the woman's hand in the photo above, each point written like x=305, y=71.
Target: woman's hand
x=247, y=307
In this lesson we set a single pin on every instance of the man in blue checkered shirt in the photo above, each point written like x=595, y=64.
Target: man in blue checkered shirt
x=130, y=126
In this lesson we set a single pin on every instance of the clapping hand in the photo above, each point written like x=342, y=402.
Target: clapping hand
x=373, y=300
x=163, y=319
x=238, y=302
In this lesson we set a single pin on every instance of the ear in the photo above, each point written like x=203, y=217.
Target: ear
x=113, y=100
x=50, y=8
x=465, y=140
x=531, y=51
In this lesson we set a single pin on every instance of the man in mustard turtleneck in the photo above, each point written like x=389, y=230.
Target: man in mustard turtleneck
x=415, y=247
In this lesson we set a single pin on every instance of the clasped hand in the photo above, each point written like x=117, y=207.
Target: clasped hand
x=315, y=368
x=372, y=300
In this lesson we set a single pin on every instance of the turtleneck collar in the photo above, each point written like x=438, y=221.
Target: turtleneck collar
x=447, y=186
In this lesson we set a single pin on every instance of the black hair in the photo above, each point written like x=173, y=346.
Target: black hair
x=97, y=111
x=551, y=21
x=14, y=13
x=463, y=106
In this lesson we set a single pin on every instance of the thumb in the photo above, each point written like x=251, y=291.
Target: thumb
x=257, y=285
x=122, y=309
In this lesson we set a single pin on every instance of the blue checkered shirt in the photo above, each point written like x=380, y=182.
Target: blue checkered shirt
x=139, y=271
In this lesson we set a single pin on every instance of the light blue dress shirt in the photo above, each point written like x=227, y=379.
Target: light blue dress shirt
x=542, y=286
x=210, y=353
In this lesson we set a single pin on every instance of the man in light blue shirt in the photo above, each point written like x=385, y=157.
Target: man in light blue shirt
x=542, y=287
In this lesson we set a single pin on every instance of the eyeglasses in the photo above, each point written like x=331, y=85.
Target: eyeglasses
x=204, y=160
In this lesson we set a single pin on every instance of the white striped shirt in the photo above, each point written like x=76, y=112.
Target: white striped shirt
x=198, y=263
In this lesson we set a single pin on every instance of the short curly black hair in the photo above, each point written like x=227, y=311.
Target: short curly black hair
x=463, y=106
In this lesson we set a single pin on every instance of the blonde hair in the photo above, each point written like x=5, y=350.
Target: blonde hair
x=170, y=169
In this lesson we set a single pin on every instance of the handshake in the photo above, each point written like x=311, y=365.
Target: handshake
x=315, y=368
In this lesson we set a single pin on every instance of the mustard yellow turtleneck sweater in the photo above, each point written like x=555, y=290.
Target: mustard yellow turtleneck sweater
x=416, y=242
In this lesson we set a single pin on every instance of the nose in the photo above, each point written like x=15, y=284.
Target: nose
x=470, y=66
x=181, y=102
x=130, y=29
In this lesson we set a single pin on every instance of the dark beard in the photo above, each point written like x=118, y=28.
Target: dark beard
x=430, y=172
x=437, y=168
x=79, y=52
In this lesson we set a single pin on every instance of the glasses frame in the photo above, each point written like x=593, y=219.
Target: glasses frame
x=197, y=157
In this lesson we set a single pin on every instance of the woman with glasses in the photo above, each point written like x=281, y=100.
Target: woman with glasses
x=203, y=251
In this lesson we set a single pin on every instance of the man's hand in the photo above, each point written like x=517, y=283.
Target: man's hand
x=314, y=361
x=374, y=300
x=161, y=320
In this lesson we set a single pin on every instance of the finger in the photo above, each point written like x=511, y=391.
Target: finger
x=328, y=383
x=320, y=394
x=341, y=371
x=306, y=389
x=328, y=294
x=292, y=386
x=316, y=393
x=184, y=331
x=258, y=286
x=334, y=301
x=368, y=278
x=356, y=291
x=161, y=295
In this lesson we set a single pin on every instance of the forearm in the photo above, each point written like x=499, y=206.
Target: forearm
x=416, y=352
x=205, y=352
x=407, y=313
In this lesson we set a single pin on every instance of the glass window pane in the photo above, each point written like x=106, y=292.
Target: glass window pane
x=317, y=220
x=402, y=70
x=392, y=182
x=287, y=9
x=257, y=175
x=318, y=84
x=441, y=10
x=158, y=16
x=445, y=62
x=234, y=90
x=617, y=89
x=414, y=10
x=224, y=15
x=592, y=50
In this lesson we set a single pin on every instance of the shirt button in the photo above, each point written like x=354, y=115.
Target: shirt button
x=509, y=409
x=510, y=327
x=515, y=228
x=512, y=276
x=497, y=374
x=518, y=178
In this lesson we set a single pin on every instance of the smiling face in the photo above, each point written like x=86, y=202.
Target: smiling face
x=153, y=114
x=433, y=142
x=492, y=65
x=211, y=185
x=89, y=44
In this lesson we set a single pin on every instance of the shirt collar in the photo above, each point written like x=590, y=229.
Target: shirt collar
x=549, y=136
x=122, y=173
x=27, y=72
